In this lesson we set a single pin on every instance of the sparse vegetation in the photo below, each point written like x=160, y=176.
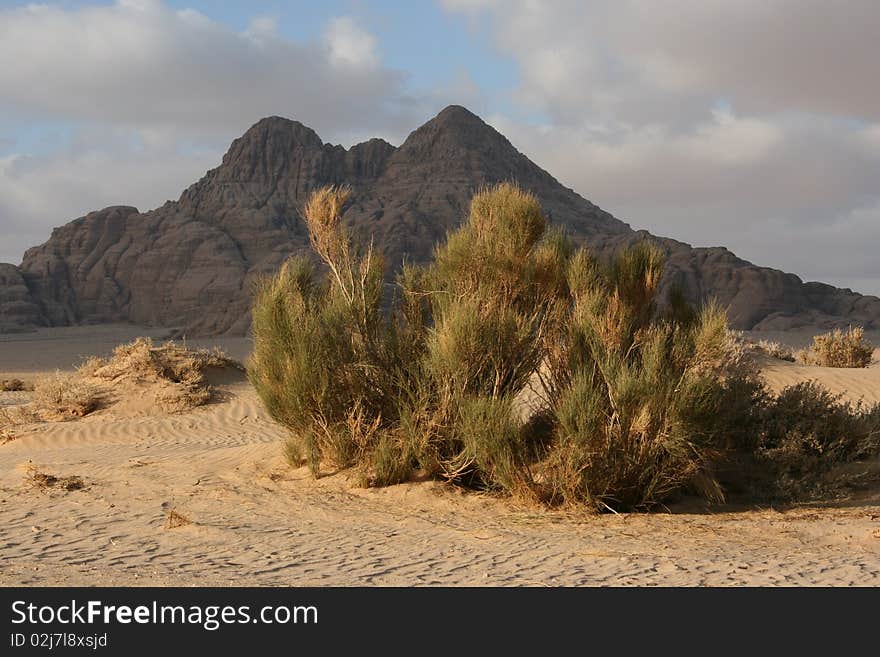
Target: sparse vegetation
x=177, y=373
x=175, y=519
x=43, y=481
x=772, y=350
x=631, y=406
x=62, y=396
x=14, y=385
x=806, y=432
x=173, y=376
x=646, y=406
x=324, y=354
x=839, y=348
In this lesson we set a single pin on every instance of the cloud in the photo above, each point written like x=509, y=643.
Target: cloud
x=747, y=124
x=154, y=96
x=350, y=45
x=603, y=56
x=142, y=64
x=94, y=170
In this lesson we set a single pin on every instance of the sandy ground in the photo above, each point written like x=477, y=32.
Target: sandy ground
x=853, y=384
x=254, y=521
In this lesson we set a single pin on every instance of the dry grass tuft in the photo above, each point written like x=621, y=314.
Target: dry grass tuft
x=14, y=385
x=175, y=519
x=839, y=348
x=181, y=397
x=43, y=481
x=143, y=360
x=771, y=349
x=62, y=396
x=178, y=372
x=175, y=375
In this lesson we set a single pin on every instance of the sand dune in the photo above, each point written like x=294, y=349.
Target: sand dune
x=853, y=384
x=254, y=521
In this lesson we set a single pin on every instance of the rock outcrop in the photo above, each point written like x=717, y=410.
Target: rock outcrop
x=192, y=263
x=19, y=310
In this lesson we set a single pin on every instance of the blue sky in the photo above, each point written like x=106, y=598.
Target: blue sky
x=713, y=122
x=431, y=46
x=418, y=37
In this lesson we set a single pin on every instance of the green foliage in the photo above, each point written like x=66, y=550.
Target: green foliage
x=319, y=345
x=646, y=410
x=630, y=403
x=805, y=432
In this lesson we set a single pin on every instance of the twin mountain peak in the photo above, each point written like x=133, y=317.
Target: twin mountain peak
x=190, y=263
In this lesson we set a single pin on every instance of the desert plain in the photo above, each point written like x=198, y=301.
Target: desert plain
x=205, y=497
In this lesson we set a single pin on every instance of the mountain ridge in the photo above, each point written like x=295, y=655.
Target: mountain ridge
x=191, y=262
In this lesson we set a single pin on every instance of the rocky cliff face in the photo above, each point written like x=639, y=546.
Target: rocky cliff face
x=19, y=309
x=191, y=263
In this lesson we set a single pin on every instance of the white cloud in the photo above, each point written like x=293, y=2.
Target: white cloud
x=748, y=124
x=92, y=172
x=350, y=45
x=618, y=56
x=142, y=64
x=156, y=95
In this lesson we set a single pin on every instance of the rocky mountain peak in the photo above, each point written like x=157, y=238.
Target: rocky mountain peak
x=267, y=150
x=454, y=131
x=192, y=263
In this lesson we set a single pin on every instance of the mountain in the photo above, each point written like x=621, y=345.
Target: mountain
x=191, y=263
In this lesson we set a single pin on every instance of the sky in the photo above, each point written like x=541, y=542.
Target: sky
x=749, y=124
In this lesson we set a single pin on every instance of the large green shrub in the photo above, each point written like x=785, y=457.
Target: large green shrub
x=628, y=405
x=319, y=344
x=644, y=406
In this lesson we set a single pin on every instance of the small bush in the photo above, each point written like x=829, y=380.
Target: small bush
x=44, y=481
x=177, y=397
x=177, y=373
x=646, y=406
x=839, y=348
x=772, y=350
x=64, y=396
x=142, y=360
x=804, y=433
x=14, y=385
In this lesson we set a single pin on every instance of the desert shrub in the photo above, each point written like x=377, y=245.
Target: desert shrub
x=494, y=444
x=177, y=373
x=389, y=391
x=14, y=385
x=805, y=432
x=321, y=345
x=142, y=360
x=772, y=350
x=630, y=403
x=64, y=395
x=839, y=348
x=645, y=405
x=177, y=397
x=497, y=296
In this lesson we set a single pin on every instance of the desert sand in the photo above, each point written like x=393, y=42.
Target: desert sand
x=252, y=520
